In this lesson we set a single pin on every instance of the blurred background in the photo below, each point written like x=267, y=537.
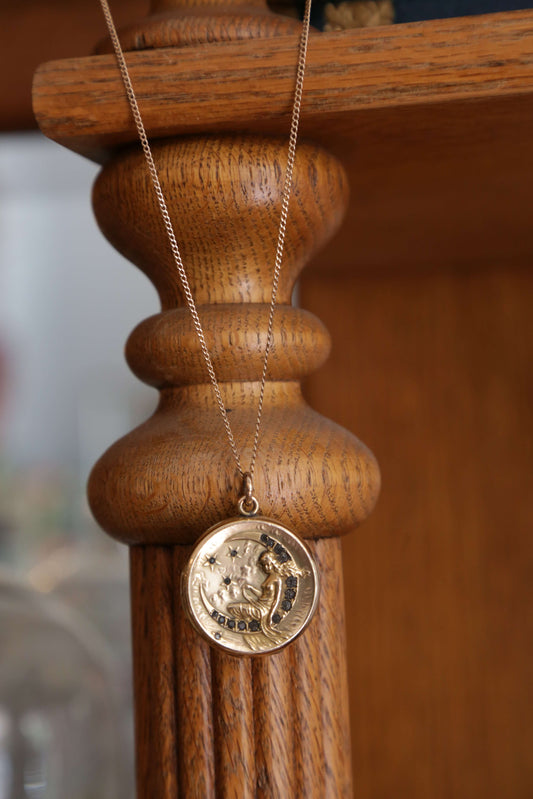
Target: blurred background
x=67, y=304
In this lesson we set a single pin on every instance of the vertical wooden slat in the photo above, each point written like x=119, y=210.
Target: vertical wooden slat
x=334, y=677
x=154, y=672
x=233, y=718
x=275, y=725
x=194, y=710
x=306, y=690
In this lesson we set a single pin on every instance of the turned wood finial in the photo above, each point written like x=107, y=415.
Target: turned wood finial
x=178, y=23
x=174, y=476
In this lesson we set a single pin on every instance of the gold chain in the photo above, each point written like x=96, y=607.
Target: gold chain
x=287, y=186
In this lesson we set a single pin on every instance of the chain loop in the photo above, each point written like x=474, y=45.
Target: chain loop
x=248, y=510
x=184, y=281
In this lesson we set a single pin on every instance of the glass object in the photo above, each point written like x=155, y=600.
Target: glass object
x=94, y=581
x=58, y=717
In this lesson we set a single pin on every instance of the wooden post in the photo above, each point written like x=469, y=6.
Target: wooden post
x=209, y=724
x=428, y=128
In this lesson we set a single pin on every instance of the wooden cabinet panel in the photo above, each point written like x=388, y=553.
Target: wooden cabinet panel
x=434, y=373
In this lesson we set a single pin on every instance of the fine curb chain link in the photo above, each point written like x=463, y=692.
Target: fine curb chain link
x=287, y=186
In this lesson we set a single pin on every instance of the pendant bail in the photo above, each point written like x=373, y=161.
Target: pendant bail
x=248, y=504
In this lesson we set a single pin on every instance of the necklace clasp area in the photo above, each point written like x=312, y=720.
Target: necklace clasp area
x=248, y=504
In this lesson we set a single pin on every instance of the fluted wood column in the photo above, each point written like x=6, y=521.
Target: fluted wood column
x=210, y=724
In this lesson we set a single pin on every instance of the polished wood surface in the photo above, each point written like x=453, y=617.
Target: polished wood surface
x=209, y=724
x=435, y=373
x=81, y=102
x=431, y=121
x=428, y=300
x=154, y=672
x=212, y=725
x=35, y=31
x=182, y=23
x=174, y=476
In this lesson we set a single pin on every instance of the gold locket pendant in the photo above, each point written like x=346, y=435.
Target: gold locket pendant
x=250, y=586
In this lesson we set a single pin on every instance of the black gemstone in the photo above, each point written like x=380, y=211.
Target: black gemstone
x=276, y=618
x=231, y=624
x=241, y=625
x=264, y=538
x=254, y=626
x=233, y=553
x=291, y=582
x=278, y=549
x=221, y=619
x=290, y=593
x=214, y=614
x=212, y=560
x=284, y=557
x=227, y=580
x=286, y=605
x=218, y=636
x=270, y=542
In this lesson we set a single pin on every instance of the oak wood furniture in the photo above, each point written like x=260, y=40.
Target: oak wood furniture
x=426, y=292
x=39, y=30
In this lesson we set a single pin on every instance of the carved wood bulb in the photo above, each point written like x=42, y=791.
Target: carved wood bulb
x=173, y=477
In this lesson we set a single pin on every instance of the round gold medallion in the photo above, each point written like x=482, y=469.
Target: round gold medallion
x=250, y=586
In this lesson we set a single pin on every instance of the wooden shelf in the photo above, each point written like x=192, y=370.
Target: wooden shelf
x=35, y=32
x=432, y=120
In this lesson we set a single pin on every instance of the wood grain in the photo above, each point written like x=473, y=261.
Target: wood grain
x=248, y=85
x=193, y=687
x=174, y=476
x=431, y=122
x=275, y=723
x=437, y=188
x=333, y=672
x=234, y=728
x=233, y=700
x=34, y=32
x=267, y=727
x=308, y=682
x=154, y=671
x=435, y=372
x=182, y=23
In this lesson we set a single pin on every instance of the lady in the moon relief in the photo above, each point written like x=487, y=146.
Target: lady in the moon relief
x=262, y=603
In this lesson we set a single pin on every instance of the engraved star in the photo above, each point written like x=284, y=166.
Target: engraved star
x=212, y=562
x=233, y=551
